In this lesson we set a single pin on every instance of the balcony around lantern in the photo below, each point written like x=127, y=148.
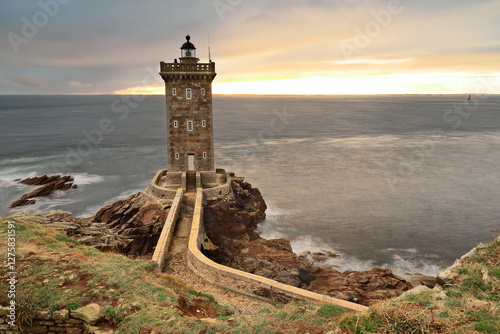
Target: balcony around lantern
x=187, y=67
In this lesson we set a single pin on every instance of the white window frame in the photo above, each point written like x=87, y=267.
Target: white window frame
x=190, y=125
x=204, y=123
x=204, y=155
x=174, y=91
x=203, y=91
x=177, y=156
x=176, y=124
x=189, y=93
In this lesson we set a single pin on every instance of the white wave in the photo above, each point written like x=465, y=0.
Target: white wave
x=402, y=260
x=270, y=228
x=361, y=140
x=254, y=141
x=411, y=261
x=345, y=263
x=44, y=204
x=274, y=213
x=84, y=178
x=8, y=175
x=403, y=250
x=286, y=141
x=22, y=160
x=398, y=264
x=305, y=243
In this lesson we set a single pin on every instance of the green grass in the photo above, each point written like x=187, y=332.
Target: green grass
x=471, y=305
x=330, y=311
x=58, y=273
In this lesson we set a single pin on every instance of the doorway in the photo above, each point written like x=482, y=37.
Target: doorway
x=190, y=162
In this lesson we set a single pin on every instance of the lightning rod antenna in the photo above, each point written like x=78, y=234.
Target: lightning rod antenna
x=209, y=55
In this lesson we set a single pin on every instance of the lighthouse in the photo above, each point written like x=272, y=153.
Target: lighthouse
x=188, y=93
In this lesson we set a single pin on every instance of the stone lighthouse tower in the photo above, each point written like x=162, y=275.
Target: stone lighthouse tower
x=188, y=92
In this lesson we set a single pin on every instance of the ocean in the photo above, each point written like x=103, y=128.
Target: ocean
x=407, y=182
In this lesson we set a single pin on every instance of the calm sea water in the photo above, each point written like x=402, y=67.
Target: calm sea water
x=405, y=182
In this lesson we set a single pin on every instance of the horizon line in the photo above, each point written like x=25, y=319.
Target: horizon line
x=250, y=94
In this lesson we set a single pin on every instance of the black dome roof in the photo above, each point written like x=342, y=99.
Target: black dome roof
x=188, y=44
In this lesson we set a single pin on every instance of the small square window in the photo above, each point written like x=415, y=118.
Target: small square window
x=204, y=155
x=203, y=91
x=176, y=124
x=190, y=125
x=189, y=94
x=174, y=91
x=176, y=156
x=203, y=123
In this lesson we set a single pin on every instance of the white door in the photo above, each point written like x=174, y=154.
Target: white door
x=190, y=161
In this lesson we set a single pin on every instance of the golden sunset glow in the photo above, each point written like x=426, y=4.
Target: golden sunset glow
x=424, y=83
x=259, y=47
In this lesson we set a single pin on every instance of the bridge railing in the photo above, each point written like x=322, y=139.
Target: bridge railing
x=160, y=253
x=250, y=284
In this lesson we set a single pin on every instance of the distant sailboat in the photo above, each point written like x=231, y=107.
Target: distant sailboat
x=470, y=96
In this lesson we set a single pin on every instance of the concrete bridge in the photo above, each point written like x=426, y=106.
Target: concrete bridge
x=179, y=252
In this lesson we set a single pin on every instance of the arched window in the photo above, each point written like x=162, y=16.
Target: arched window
x=190, y=125
x=189, y=93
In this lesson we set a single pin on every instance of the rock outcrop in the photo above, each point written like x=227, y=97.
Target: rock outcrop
x=131, y=226
x=139, y=219
x=49, y=185
x=231, y=224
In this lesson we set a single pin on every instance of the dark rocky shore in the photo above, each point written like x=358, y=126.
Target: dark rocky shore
x=133, y=226
x=49, y=185
x=231, y=226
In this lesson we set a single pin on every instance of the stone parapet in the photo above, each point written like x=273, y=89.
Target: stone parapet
x=183, y=68
x=157, y=190
x=223, y=190
x=167, y=232
x=243, y=282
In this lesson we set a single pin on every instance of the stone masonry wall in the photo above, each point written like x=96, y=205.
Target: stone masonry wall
x=80, y=321
x=245, y=282
x=197, y=109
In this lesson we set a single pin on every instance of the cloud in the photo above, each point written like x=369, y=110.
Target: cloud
x=108, y=45
x=78, y=84
x=372, y=61
x=23, y=81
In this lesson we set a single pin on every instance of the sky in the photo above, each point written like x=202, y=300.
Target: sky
x=259, y=46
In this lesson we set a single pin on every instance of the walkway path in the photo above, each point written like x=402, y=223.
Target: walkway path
x=176, y=264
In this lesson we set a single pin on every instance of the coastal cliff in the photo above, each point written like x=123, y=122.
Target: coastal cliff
x=231, y=226
x=132, y=227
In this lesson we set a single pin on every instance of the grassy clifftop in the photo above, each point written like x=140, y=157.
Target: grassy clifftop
x=468, y=303
x=56, y=273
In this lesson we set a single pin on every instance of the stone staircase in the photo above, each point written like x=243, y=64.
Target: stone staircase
x=191, y=181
